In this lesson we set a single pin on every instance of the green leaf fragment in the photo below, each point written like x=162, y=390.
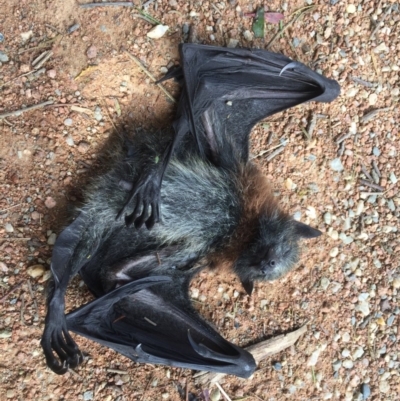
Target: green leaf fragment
x=259, y=23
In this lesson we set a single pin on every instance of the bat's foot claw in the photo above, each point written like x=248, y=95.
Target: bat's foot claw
x=146, y=208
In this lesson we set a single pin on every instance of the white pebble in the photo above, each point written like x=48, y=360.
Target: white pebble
x=9, y=228
x=351, y=8
x=345, y=353
x=157, y=32
x=328, y=218
x=248, y=35
x=346, y=337
x=311, y=212
x=52, y=239
x=363, y=307
x=384, y=387
x=360, y=207
x=336, y=165
x=348, y=364
x=358, y=353
x=352, y=92
x=334, y=252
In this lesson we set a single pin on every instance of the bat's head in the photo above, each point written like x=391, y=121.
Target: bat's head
x=274, y=250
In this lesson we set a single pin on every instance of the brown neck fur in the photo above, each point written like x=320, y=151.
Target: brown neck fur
x=257, y=199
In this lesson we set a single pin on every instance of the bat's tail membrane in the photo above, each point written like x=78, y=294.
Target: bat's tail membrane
x=148, y=320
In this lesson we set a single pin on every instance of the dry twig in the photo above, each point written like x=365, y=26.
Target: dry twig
x=369, y=116
x=150, y=75
x=107, y=4
x=226, y=396
x=29, y=108
x=11, y=291
x=372, y=185
x=275, y=153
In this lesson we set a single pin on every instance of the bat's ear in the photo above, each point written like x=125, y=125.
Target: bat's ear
x=305, y=231
x=248, y=285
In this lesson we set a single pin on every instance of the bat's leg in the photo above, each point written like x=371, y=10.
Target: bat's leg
x=70, y=253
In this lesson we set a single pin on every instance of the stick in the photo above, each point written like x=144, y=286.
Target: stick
x=259, y=351
x=226, y=396
x=10, y=292
x=377, y=26
x=150, y=75
x=373, y=113
x=298, y=13
x=11, y=207
x=33, y=298
x=362, y=82
x=29, y=108
x=372, y=185
x=107, y=4
x=275, y=153
x=343, y=137
x=364, y=170
x=117, y=371
x=375, y=166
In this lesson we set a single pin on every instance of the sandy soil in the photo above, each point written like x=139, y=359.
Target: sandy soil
x=347, y=284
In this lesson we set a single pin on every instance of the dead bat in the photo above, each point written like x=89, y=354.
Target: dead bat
x=217, y=208
x=226, y=90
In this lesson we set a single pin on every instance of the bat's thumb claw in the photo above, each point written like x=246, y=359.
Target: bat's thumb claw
x=291, y=65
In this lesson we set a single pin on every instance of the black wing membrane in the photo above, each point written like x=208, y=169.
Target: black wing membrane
x=227, y=91
x=152, y=320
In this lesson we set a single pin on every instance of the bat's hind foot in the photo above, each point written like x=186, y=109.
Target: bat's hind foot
x=146, y=197
x=57, y=341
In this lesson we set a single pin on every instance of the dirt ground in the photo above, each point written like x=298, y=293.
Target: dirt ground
x=342, y=178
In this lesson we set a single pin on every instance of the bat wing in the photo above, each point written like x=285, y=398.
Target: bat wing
x=227, y=91
x=152, y=320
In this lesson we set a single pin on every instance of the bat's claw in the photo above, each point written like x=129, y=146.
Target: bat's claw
x=147, y=204
x=57, y=341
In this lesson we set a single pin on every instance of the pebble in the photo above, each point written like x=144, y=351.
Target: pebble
x=69, y=140
x=336, y=165
x=52, y=239
x=5, y=334
x=396, y=283
x=97, y=114
x=9, y=228
x=3, y=57
x=376, y=151
x=36, y=271
x=50, y=202
x=311, y=212
x=358, y=353
x=346, y=337
x=248, y=35
x=363, y=307
x=68, y=122
x=334, y=252
x=324, y=283
x=360, y=207
x=83, y=147
x=351, y=8
x=3, y=267
x=336, y=365
x=157, y=32
x=88, y=395
x=328, y=218
x=51, y=73
x=215, y=394
x=315, y=355
x=393, y=178
x=91, y=52
x=10, y=393
x=1, y=38
x=277, y=366
x=384, y=387
x=73, y=28
x=348, y=364
x=232, y=43
x=365, y=391
x=352, y=92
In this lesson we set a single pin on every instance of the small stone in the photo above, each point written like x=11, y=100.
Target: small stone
x=336, y=365
x=3, y=57
x=157, y=32
x=365, y=391
x=328, y=218
x=232, y=43
x=52, y=239
x=3, y=267
x=163, y=70
x=324, y=283
x=88, y=395
x=52, y=73
x=36, y=271
x=5, y=334
x=35, y=215
x=248, y=35
x=390, y=320
x=375, y=151
x=10, y=393
x=277, y=366
x=384, y=387
x=69, y=140
x=215, y=394
x=336, y=165
x=97, y=114
x=351, y=8
x=68, y=122
x=360, y=207
x=358, y=353
x=396, y=283
x=1, y=38
x=381, y=48
x=352, y=92
x=83, y=147
x=363, y=307
x=334, y=252
x=315, y=355
x=348, y=364
x=311, y=212
x=372, y=99
x=393, y=178
x=346, y=353
x=91, y=52
x=26, y=35
x=346, y=337
x=9, y=228
x=173, y=3
x=50, y=202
